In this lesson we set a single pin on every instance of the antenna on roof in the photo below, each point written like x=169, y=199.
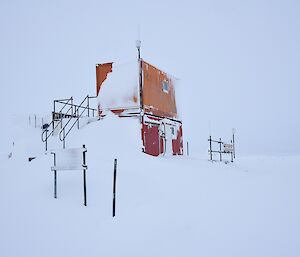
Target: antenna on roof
x=138, y=46
x=138, y=43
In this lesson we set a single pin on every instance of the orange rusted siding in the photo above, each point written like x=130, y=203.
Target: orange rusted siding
x=155, y=100
x=101, y=74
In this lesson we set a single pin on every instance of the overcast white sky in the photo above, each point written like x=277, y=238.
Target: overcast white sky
x=238, y=61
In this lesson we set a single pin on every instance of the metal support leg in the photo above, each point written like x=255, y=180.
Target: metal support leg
x=84, y=178
x=220, y=142
x=55, y=185
x=114, y=189
x=84, y=187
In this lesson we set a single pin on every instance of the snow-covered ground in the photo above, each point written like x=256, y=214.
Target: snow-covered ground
x=166, y=206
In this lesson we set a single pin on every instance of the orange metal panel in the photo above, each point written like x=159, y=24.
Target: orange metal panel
x=155, y=99
x=101, y=74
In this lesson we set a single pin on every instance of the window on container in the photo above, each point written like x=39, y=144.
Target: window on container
x=165, y=86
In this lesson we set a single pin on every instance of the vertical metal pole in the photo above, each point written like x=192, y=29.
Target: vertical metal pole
x=140, y=76
x=54, y=106
x=220, y=142
x=53, y=118
x=88, y=105
x=55, y=178
x=231, y=153
x=55, y=185
x=84, y=177
x=64, y=143
x=210, y=149
x=46, y=140
x=233, y=144
x=187, y=148
x=72, y=106
x=29, y=120
x=114, y=189
x=61, y=119
x=35, y=120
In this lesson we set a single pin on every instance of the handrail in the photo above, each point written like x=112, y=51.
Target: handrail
x=77, y=112
x=62, y=132
x=62, y=102
x=75, y=105
x=65, y=134
x=53, y=128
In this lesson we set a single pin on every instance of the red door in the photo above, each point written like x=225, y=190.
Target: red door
x=151, y=139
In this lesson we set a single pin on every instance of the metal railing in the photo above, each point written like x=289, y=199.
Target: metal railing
x=224, y=148
x=59, y=121
x=79, y=111
x=58, y=117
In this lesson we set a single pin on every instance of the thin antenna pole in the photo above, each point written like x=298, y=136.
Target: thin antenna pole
x=138, y=46
x=138, y=42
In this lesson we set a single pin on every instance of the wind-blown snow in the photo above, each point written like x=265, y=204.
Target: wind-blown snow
x=174, y=206
x=120, y=86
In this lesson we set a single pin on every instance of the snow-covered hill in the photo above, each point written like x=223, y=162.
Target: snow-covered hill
x=166, y=206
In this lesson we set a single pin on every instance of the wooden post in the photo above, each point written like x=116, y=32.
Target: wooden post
x=84, y=177
x=114, y=189
x=220, y=142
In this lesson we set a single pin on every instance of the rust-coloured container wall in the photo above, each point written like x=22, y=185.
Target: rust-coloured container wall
x=156, y=100
x=101, y=74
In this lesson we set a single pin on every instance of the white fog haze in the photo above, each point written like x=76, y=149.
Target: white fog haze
x=121, y=183
x=237, y=60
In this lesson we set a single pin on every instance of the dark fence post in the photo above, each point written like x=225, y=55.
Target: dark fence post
x=55, y=178
x=210, y=149
x=35, y=120
x=84, y=176
x=114, y=189
x=233, y=144
x=88, y=105
x=64, y=139
x=72, y=106
x=187, y=148
x=220, y=142
x=231, y=153
x=46, y=139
